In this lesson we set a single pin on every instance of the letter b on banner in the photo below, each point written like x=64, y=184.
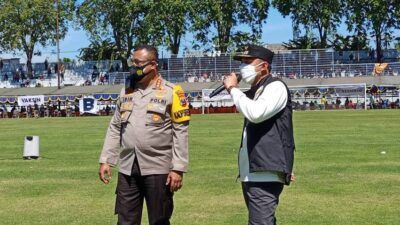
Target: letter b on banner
x=88, y=105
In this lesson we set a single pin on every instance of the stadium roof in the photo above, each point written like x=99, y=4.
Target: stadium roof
x=193, y=87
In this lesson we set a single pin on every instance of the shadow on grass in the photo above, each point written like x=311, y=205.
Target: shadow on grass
x=40, y=158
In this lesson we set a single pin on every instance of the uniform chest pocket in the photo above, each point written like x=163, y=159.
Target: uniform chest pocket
x=126, y=110
x=155, y=115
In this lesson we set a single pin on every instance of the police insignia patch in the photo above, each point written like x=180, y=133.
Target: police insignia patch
x=182, y=98
x=180, y=106
x=156, y=118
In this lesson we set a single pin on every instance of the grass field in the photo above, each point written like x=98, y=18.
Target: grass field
x=342, y=177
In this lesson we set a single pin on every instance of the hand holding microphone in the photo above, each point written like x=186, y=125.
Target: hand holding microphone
x=230, y=81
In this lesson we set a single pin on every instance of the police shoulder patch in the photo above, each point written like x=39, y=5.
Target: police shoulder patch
x=180, y=106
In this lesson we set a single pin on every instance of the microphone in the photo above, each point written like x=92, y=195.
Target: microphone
x=222, y=87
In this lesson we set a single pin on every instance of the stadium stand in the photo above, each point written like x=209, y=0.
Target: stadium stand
x=292, y=64
x=195, y=72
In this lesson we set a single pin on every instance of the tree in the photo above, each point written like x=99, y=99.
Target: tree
x=322, y=15
x=376, y=17
x=303, y=42
x=224, y=17
x=99, y=50
x=121, y=21
x=167, y=21
x=27, y=24
x=350, y=43
x=66, y=60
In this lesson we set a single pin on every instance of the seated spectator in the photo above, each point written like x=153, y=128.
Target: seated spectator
x=101, y=79
x=87, y=83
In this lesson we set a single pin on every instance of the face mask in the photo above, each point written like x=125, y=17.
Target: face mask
x=248, y=72
x=138, y=73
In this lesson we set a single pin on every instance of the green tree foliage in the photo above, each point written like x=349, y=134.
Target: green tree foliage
x=27, y=24
x=121, y=21
x=66, y=60
x=377, y=18
x=99, y=50
x=167, y=21
x=223, y=17
x=349, y=43
x=321, y=15
x=303, y=42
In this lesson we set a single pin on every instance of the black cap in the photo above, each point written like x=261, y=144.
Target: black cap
x=255, y=51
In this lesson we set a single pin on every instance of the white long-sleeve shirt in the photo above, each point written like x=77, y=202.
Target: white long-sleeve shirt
x=271, y=101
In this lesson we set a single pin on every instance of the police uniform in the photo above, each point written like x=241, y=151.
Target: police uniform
x=148, y=137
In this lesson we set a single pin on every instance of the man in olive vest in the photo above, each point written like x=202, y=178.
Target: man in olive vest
x=267, y=149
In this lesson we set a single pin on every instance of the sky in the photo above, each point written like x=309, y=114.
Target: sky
x=276, y=30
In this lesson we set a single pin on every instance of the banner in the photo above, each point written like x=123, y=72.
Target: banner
x=223, y=95
x=350, y=91
x=88, y=104
x=30, y=100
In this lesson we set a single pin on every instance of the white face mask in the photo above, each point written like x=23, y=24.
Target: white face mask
x=248, y=72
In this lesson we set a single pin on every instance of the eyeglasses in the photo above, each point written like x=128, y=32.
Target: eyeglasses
x=136, y=62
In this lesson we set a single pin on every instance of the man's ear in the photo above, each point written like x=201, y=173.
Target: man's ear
x=265, y=67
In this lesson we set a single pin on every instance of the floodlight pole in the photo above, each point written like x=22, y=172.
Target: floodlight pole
x=58, y=46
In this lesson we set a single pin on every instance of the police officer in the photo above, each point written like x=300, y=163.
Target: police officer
x=267, y=149
x=148, y=136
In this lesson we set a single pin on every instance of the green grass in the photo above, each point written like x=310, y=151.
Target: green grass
x=341, y=176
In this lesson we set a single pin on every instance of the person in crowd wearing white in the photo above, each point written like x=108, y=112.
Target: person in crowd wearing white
x=267, y=149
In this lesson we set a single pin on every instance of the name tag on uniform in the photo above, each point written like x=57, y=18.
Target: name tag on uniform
x=127, y=106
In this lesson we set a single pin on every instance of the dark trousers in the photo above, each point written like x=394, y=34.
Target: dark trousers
x=132, y=190
x=261, y=199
